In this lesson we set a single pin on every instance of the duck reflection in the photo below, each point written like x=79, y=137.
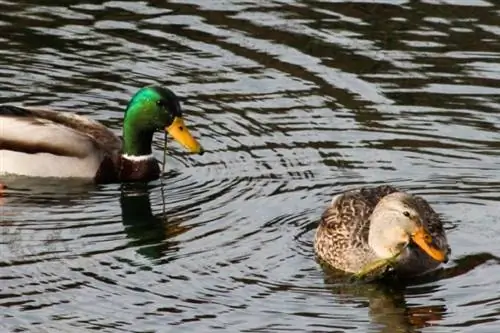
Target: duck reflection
x=22, y=194
x=386, y=298
x=386, y=301
x=152, y=234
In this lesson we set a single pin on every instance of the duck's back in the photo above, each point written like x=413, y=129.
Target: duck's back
x=342, y=236
x=44, y=143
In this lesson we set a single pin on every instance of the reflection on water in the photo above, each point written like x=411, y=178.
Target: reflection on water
x=293, y=101
x=388, y=308
x=150, y=233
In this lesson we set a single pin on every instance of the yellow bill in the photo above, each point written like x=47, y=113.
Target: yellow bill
x=424, y=240
x=181, y=134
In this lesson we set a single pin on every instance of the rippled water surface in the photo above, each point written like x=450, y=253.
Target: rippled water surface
x=294, y=101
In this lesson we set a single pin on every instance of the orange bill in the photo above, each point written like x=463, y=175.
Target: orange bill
x=181, y=134
x=424, y=240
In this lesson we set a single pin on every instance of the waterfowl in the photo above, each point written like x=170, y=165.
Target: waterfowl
x=361, y=228
x=46, y=143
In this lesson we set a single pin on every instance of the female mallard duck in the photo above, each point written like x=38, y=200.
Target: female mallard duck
x=44, y=143
x=370, y=225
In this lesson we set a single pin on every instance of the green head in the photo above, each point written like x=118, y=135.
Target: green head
x=151, y=109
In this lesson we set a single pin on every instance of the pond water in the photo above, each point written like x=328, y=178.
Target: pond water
x=293, y=101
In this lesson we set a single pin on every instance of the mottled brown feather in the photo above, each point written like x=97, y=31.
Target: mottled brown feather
x=342, y=236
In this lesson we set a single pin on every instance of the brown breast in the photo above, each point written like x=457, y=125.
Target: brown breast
x=119, y=169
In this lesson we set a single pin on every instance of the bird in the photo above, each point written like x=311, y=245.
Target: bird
x=363, y=228
x=37, y=142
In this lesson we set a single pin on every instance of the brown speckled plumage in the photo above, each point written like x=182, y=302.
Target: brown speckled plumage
x=341, y=239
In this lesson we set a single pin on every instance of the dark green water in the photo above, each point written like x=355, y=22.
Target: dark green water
x=293, y=100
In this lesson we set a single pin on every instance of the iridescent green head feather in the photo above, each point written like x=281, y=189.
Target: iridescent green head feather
x=150, y=109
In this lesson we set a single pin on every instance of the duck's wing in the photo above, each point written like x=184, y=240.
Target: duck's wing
x=35, y=131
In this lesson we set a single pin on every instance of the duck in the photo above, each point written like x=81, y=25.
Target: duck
x=366, y=228
x=37, y=142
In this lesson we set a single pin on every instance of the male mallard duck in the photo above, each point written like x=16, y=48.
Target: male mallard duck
x=365, y=226
x=44, y=143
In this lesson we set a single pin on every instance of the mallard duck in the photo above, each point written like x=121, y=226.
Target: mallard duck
x=46, y=143
x=364, y=226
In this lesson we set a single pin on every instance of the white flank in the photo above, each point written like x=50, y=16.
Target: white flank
x=138, y=158
x=83, y=164
x=48, y=165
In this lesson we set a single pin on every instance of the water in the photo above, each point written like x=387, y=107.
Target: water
x=293, y=101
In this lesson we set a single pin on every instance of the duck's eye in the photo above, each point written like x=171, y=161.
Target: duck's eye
x=406, y=213
x=161, y=103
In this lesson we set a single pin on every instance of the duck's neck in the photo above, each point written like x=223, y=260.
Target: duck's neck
x=137, y=162
x=384, y=236
x=136, y=140
x=136, y=143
